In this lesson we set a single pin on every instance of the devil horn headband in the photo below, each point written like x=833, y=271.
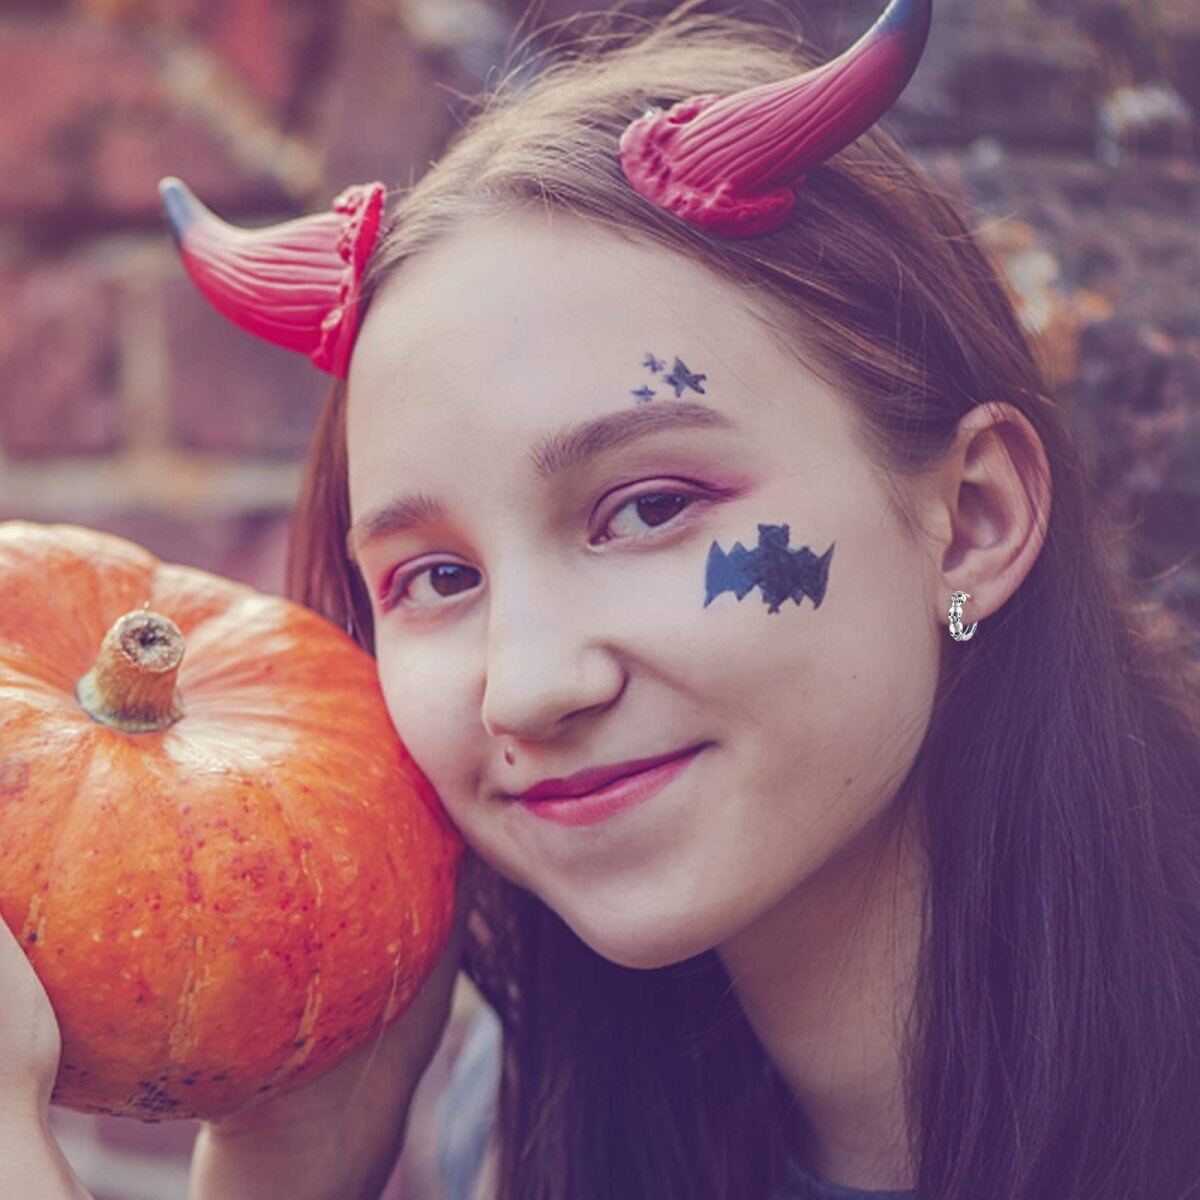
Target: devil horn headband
x=728, y=165
x=294, y=284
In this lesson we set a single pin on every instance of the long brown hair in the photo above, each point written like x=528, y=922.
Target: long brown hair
x=1054, y=1050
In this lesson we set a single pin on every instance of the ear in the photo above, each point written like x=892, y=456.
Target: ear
x=993, y=507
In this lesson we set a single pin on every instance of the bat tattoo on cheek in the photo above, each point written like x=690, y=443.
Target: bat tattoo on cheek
x=679, y=378
x=772, y=566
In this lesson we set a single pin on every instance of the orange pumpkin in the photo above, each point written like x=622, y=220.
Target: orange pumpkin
x=223, y=865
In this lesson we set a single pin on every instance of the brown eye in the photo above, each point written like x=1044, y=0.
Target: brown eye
x=655, y=509
x=445, y=579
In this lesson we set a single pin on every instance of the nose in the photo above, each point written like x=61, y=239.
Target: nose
x=547, y=659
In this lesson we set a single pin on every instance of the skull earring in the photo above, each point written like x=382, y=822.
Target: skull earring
x=957, y=632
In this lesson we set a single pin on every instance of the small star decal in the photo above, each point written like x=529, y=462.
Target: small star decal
x=655, y=364
x=643, y=395
x=680, y=377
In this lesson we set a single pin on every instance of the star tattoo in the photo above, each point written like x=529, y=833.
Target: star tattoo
x=680, y=377
x=655, y=364
x=643, y=394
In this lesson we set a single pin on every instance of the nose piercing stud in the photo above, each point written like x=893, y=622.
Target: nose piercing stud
x=957, y=632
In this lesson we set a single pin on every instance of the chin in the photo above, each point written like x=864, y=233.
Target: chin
x=646, y=962
x=643, y=950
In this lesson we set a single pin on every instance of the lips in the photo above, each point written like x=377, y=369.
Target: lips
x=597, y=777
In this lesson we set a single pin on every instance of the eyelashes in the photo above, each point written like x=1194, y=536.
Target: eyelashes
x=395, y=587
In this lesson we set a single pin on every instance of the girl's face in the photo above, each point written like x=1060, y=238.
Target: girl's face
x=646, y=528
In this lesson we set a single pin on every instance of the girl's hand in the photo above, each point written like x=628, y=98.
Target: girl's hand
x=30, y=1041
x=374, y=1084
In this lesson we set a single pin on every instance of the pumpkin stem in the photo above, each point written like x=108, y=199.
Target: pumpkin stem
x=131, y=685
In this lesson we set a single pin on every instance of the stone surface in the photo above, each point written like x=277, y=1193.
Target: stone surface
x=230, y=391
x=379, y=115
x=247, y=546
x=59, y=360
x=277, y=47
x=272, y=46
x=88, y=126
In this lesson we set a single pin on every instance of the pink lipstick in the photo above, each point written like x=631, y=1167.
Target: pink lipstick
x=615, y=797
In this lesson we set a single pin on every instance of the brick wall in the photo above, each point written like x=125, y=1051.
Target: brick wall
x=1069, y=128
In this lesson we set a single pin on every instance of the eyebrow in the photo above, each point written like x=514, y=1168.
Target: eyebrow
x=550, y=455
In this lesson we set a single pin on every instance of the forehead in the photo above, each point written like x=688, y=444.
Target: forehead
x=508, y=328
x=527, y=303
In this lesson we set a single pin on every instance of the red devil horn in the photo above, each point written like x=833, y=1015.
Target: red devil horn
x=730, y=164
x=294, y=284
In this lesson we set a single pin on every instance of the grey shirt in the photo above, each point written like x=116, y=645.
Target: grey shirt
x=800, y=1185
x=466, y=1110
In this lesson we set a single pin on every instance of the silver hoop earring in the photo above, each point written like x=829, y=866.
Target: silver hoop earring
x=957, y=632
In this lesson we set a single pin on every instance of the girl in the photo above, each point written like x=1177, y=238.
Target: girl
x=690, y=440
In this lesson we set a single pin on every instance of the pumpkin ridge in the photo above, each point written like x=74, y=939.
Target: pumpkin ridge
x=302, y=1040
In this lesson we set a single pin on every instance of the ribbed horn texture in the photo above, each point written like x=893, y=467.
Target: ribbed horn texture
x=730, y=164
x=294, y=284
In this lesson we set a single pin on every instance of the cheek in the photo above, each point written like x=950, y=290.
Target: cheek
x=419, y=707
x=859, y=688
x=421, y=712
x=763, y=611
x=830, y=699
x=394, y=683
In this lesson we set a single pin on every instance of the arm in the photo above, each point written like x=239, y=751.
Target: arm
x=32, y=1164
